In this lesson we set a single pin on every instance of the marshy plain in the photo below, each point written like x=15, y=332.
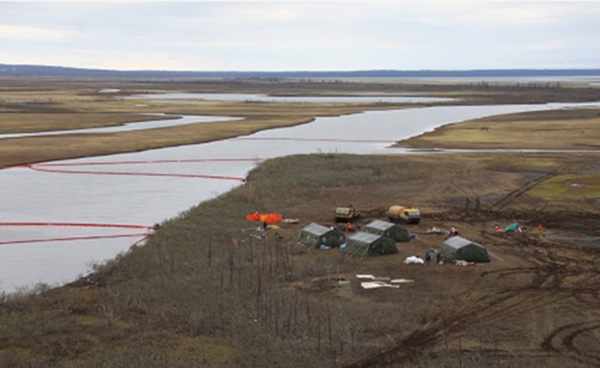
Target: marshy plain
x=204, y=291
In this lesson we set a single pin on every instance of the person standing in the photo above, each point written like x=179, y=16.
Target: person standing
x=427, y=258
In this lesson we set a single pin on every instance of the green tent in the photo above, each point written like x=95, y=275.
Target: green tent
x=314, y=236
x=457, y=248
x=387, y=229
x=365, y=244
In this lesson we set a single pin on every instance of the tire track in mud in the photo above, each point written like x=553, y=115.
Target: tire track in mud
x=570, y=339
x=576, y=280
x=448, y=326
x=510, y=197
x=588, y=296
x=492, y=307
x=564, y=341
x=549, y=278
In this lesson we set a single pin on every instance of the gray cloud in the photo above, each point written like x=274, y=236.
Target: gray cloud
x=279, y=35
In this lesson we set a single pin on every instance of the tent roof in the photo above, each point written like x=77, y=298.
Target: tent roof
x=457, y=242
x=380, y=225
x=364, y=237
x=316, y=229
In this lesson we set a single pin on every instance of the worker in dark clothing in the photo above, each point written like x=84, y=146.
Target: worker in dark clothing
x=427, y=257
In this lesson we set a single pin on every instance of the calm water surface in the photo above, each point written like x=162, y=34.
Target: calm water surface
x=143, y=125
x=265, y=98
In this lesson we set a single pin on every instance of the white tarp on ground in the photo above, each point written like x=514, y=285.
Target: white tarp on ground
x=413, y=260
x=379, y=282
x=401, y=281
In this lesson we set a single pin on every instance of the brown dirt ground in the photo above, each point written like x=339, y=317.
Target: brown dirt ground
x=537, y=301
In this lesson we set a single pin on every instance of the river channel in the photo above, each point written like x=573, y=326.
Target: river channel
x=59, y=218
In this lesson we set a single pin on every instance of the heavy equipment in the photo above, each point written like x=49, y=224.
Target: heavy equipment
x=405, y=214
x=346, y=214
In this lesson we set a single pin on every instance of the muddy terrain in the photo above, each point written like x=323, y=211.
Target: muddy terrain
x=537, y=301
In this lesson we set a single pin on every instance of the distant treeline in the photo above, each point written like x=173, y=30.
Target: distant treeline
x=57, y=71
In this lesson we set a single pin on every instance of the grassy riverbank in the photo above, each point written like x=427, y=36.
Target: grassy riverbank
x=547, y=130
x=208, y=291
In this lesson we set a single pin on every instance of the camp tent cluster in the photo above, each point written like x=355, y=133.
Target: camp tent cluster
x=378, y=238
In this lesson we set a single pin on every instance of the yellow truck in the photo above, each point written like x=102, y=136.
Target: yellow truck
x=346, y=214
x=405, y=214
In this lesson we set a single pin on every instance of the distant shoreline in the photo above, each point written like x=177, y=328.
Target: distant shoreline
x=7, y=70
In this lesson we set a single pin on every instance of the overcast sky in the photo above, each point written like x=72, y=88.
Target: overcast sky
x=301, y=36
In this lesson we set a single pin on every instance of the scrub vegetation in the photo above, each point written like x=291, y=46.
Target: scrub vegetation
x=208, y=291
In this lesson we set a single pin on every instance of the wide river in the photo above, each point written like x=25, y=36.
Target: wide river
x=58, y=219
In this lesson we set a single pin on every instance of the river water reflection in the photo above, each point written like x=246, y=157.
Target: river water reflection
x=148, y=187
x=165, y=121
x=264, y=98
